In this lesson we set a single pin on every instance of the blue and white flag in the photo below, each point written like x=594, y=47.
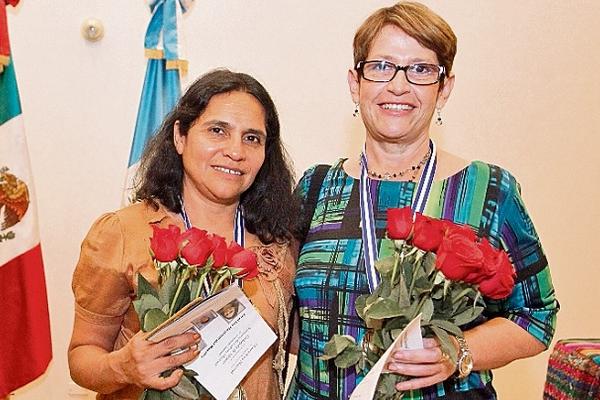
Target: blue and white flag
x=162, y=84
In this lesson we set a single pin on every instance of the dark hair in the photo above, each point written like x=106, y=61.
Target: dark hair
x=418, y=21
x=270, y=209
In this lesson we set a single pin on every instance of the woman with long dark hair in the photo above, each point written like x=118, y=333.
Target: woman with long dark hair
x=217, y=158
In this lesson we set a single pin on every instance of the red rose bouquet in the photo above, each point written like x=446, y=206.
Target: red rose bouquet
x=190, y=264
x=438, y=269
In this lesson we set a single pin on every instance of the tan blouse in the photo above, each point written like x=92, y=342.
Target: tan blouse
x=117, y=248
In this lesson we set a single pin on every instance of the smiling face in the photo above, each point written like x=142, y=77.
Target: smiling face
x=398, y=111
x=224, y=148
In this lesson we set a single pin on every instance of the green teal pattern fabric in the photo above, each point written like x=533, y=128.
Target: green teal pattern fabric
x=331, y=273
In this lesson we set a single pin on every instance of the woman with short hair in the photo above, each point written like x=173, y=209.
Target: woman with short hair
x=401, y=80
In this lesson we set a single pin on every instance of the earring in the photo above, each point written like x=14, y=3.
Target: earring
x=355, y=113
x=438, y=120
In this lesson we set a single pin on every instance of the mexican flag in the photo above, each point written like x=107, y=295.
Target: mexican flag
x=25, y=348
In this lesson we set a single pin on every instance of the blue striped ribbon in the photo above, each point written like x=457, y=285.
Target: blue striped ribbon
x=367, y=214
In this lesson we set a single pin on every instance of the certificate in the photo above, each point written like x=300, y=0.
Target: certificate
x=233, y=337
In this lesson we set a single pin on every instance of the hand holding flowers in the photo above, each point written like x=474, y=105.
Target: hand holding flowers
x=190, y=265
x=439, y=270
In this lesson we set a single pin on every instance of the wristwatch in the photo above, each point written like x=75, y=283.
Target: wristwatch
x=464, y=364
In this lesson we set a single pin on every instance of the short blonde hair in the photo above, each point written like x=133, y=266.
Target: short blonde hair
x=418, y=21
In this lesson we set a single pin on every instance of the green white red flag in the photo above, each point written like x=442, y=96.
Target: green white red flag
x=25, y=346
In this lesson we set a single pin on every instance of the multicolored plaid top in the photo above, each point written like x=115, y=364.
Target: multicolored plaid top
x=331, y=272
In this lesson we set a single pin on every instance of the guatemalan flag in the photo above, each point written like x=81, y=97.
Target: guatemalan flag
x=162, y=86
x=25, y=347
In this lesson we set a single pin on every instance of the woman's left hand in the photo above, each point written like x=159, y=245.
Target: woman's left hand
x=426, y=366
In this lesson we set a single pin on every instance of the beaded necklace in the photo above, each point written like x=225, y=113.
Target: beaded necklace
x=386, y=176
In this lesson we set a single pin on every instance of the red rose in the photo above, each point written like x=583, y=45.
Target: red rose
x=233, y=249
x=192, y=235
x=219, y=252
x=399, y=223
x=499, y=284
x=490, y=256
x=247, y=262
x=197, y=252
x=459, y=258
x=464, y=230
x=428, y=233
x=164, y=243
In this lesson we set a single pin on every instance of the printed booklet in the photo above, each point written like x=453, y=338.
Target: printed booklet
x=233, y=337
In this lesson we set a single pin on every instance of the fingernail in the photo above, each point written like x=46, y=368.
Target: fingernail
x=392, y=367
x=196, y=336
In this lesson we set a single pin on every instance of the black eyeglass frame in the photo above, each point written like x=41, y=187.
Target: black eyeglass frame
x=359, y=67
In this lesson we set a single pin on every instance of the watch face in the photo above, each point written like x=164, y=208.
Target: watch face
x=465, y=364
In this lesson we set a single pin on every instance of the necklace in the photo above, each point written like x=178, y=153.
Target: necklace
x=414, y=169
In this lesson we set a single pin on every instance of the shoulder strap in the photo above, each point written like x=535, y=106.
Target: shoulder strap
x=310, y=203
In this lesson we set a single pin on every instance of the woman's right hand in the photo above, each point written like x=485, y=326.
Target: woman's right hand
x=140, y=362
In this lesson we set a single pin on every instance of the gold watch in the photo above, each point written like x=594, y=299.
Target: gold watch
x=464, y=364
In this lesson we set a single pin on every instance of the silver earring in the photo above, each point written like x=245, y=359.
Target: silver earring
x=355, y=113
x=438, y=120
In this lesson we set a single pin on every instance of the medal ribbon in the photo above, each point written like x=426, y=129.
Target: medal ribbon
x=367, y=215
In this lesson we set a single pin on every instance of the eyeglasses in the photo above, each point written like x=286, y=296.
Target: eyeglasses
x=384, y=71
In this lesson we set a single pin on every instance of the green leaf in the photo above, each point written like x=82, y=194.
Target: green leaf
x=462, y=294
x=427, y=310
x=423, y=284
x=445, y=342
x=387, y=338
x=336, y=345
x=182, y=299
x=386, y=385
x=384, y=289
x=429, y=263
x=168, y=289
x=193, y=285
x=349, y=357
x=203, y=393
x=169, y=395
x=152, y=394
x=186, y=389
x=399, y=322
x=153, y=318
x=407, y=270
x=360, y=304
x=467, y=315
x=447, y=326
x=403, y=296
x=376, y=339
x=385, y=265
x=144, y=287
x=373, y=323
x=372, y=298
x=190, y=373
x=144, y=303
x=384, y=308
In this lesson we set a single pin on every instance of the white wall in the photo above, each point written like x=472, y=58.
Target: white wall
x=527, y=97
